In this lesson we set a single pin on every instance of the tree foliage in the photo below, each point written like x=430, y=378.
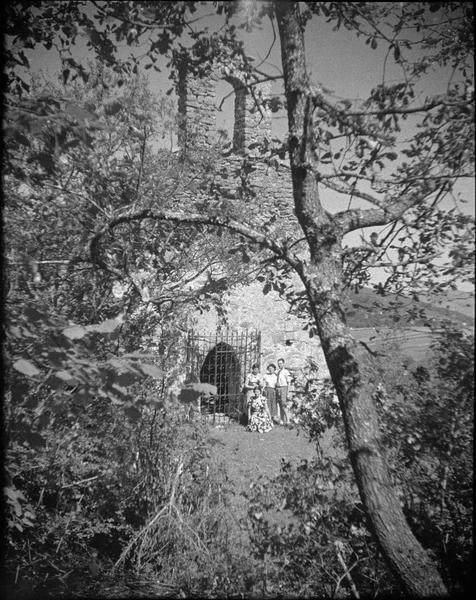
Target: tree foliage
x=312, y=509
x=121, y=246
x=364, y=150
x=96, y=448
x=428, y=428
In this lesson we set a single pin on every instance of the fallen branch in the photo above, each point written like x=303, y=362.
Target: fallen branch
x=63, y=487
x=346, y=575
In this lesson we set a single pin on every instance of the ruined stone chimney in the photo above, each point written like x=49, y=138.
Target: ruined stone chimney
x=197, y=107
x=253, y=177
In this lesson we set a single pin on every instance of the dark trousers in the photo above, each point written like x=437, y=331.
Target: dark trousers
x=281, y=397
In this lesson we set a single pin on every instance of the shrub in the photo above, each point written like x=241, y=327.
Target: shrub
x=427, y=424
x=107, y=493
x=308, y=532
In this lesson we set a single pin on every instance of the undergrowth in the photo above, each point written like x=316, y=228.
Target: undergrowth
x=116, y=507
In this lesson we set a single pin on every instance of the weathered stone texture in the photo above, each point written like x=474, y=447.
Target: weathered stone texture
x=242, y=173
x=282, y=334
x=243, y=169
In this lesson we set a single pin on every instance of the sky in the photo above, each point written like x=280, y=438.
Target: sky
x=338, y=60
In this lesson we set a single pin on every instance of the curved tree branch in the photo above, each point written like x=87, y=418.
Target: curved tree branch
x=394, y=110
x=280, y=250
x=388, y=211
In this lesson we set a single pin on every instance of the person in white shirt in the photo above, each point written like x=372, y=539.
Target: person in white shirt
x=270, y=378
x=283, y=381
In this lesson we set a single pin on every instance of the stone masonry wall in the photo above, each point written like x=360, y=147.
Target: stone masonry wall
x=270, y=183
x=248, y=308
x=282, y=334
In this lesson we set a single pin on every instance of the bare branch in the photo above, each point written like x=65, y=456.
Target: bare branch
x=85, y=198
x=390, y=209
x=345, y=115
x=225, y=98
x=141, y=166
x=40, y=262
x=271, y=45
x=404, y=111
x=81, y=482
x=324, y=177
x=351, y=190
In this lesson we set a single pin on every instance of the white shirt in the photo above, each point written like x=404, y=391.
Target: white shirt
x=270, y=379
x=283, y=378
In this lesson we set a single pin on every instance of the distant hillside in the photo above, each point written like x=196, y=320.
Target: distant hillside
x=455, y=301
x=386, y=322
x=368, y=309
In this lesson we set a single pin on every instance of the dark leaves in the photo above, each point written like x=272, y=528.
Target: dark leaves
x=113, y=108
x=193, y=391
x=45, y=160
x=132, y=412
x=34, y=439
x=396, y=52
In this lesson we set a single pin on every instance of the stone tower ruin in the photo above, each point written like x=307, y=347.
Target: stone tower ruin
x=250, y=310
x=270, y=181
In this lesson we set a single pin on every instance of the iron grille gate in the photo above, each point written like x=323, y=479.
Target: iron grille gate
x=223, y=359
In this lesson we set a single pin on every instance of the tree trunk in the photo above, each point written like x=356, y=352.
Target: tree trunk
x=323, y=281
x=404, y=554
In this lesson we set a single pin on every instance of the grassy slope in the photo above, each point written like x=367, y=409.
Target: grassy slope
x=386, y=322
x=247, y=455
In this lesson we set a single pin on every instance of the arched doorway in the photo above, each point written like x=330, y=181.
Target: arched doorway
x=223, y=358
x=222, y=368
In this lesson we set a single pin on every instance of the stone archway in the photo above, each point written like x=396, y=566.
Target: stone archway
x=223, y=358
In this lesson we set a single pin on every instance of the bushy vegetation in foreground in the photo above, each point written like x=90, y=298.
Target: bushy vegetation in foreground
x=109, y=496
x=112, y=505
x=309, y=530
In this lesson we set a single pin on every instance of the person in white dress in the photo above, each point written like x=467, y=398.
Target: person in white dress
x=259, y=419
